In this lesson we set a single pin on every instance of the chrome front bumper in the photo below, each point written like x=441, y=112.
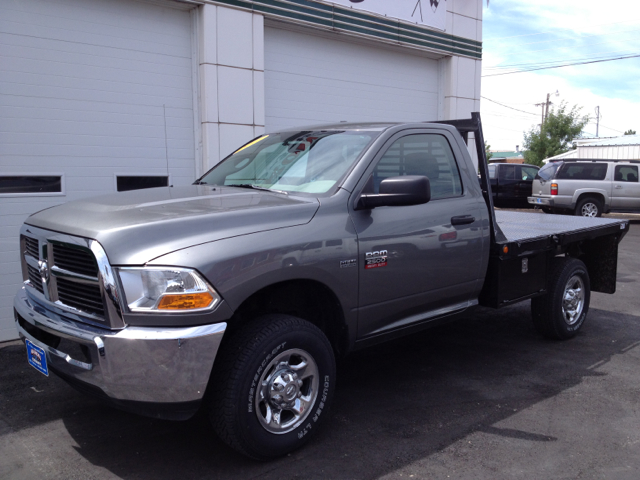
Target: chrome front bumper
x=134, y=364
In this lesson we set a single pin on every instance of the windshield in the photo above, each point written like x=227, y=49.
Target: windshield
x=311, y=162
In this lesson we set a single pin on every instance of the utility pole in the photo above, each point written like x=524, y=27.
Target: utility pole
x=597, y=120
x=545, y=108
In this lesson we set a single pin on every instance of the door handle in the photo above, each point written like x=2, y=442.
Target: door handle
x=462, y=220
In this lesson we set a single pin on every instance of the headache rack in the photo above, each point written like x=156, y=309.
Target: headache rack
x=523, y=244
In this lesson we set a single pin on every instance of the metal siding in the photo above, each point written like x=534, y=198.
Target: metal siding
x=83, y=84
x=311, y=79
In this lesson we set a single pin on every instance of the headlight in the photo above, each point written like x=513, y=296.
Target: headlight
x=162, y=289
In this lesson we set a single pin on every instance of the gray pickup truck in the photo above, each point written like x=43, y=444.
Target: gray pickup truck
x=237, y=293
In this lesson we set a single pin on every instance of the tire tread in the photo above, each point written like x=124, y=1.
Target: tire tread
x=239, y=351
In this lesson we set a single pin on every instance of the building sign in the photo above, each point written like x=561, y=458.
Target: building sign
x=432, y=13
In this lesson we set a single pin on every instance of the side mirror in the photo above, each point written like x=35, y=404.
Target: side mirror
x=397, y=192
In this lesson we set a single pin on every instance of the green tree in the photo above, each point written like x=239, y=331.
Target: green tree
x=487, y=150
x=556, y=135
x=630, y=132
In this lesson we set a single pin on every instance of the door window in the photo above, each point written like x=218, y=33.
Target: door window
x=626, y=173
x=529, y=173
x=429, y=155
x=507, y=172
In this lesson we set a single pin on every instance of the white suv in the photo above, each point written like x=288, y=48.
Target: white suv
x=587, y=187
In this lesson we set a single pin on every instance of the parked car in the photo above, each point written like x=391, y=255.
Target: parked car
x=511, y=184
x=587, y=187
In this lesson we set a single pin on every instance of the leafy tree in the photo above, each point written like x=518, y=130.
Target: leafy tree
x=555, y=136
x=630, y=132
x=487, y=150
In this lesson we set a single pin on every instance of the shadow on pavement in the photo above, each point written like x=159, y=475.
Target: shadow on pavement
x=395, y=404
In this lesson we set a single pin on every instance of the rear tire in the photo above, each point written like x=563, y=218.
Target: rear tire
x=561, y=312
x=272, y=386
x=589, y=207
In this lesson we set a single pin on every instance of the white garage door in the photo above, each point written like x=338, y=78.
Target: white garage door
x=90, y=90
x=311, y=79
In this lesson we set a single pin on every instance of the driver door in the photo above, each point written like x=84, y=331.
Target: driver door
x=415, y=263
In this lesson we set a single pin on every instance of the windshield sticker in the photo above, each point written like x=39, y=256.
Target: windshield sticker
x=375, y=259
x=251, y=143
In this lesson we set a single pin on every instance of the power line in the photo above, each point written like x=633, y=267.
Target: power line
x=603, y=55
x=559, y=49
x=507, y=106
x=565, y=65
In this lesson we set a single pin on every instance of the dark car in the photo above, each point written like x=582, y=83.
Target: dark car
x=511, y=184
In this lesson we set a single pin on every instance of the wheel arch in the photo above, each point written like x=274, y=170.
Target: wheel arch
x=597, y=194
x=308, y=299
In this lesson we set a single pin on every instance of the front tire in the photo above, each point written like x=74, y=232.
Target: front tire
x=561, y=313
x=272, y=386
x=589, y=207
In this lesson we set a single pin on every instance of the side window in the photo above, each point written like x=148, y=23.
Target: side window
x=492, y=171
x=422, y=154
x=507, y=172
x=529, y=173
x=626, y=173
x=583, y=171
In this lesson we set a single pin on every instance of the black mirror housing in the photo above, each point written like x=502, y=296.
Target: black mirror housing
x=396, y=192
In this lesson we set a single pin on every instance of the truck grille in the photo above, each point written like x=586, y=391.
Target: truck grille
x=86, y=298
x=31, y=246
x=34, y=278
x=74, y=259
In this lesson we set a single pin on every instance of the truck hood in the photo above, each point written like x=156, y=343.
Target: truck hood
x=138, y=226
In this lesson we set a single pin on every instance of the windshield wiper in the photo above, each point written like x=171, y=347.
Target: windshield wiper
x=256, y=187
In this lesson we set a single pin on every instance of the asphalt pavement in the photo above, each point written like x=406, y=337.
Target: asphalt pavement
x=482, y=398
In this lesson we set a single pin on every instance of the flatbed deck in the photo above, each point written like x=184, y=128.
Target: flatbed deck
x=532, y=226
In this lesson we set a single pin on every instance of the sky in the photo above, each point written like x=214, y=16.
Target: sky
x=523, y=34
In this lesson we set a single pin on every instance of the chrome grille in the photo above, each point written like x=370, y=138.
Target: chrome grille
x=75, y=259
x=34, y=278
x=86, y=298
x=31, y=246
x=80, y=282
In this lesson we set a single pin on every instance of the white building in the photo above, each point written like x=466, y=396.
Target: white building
x=98, y=96
x=626, y=147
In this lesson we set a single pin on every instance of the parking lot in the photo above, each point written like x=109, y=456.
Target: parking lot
x=480, y=398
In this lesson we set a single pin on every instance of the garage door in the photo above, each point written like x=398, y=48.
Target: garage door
x=311, y=79
x=91, y=92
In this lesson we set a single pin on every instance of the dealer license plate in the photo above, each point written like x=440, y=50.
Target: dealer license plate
x=37, y=358
x=538, y=200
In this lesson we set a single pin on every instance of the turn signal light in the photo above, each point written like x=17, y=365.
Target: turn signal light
x=554, y=189
x=185, y=301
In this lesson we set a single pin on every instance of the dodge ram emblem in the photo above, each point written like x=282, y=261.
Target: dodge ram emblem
x=43, y=268
x=375, y=259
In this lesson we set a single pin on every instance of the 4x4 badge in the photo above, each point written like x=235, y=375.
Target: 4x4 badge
x=375, y=259
x=348, y=263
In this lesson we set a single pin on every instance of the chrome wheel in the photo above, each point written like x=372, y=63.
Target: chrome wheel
x=288, y=389
x=589, y=210
x=573, y=300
